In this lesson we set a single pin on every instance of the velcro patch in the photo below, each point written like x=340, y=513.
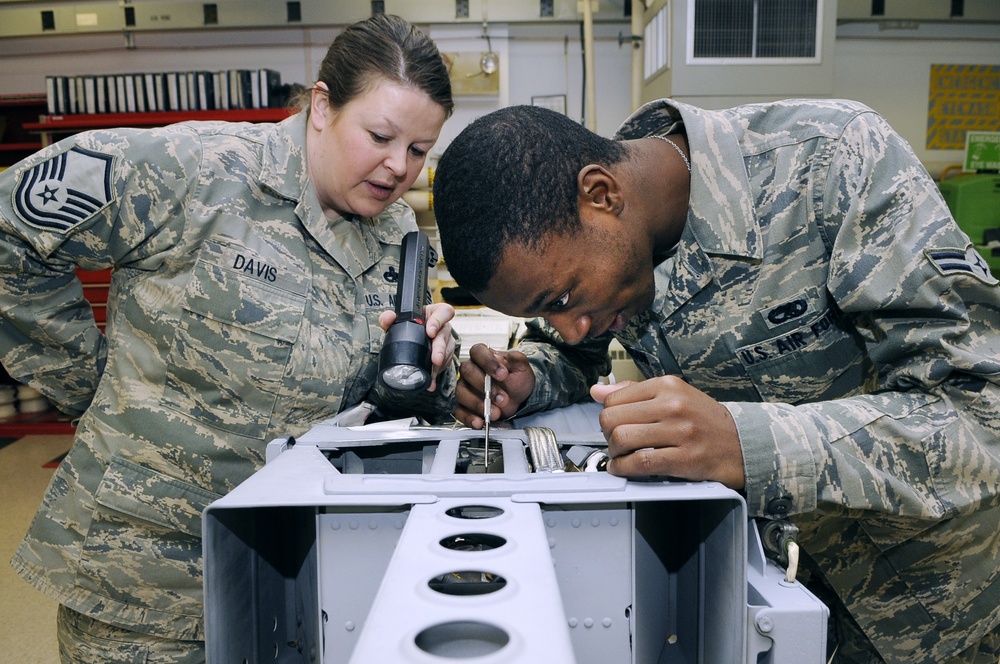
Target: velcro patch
x=960, y=261
x=64, y=191
x=786, y=312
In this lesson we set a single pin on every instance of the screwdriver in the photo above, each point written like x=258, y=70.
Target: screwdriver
x=487, y=410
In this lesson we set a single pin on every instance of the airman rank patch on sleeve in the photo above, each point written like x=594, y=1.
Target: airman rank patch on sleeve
x=951, y=261
x=64, y=191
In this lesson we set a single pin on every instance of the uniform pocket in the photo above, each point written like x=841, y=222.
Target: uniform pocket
x=144, y=541
x=233, y=341
x=813, y=361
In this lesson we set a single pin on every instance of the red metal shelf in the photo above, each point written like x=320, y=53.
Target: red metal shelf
x=26, y=424
x=22, y=100
x=95, y=289
x=158, y=119
x=14, y=147
x=15, y=142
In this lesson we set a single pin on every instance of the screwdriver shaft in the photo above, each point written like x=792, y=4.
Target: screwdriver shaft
x=487, y=411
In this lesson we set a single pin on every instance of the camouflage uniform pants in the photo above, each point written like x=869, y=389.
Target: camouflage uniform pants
x=986, y=651
x=853, y=647
x=847, y=644
x=83, y=640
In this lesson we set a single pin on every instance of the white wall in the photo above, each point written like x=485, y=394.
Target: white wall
x=24, y=63
x=891, y=75
x=533, y=62
x=539, y=61
x=547, y=62
x=735, y=82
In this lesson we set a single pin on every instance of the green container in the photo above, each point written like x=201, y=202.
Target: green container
x=974, y=201
x=992, y=258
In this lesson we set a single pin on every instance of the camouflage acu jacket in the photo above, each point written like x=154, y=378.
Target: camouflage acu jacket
x=824, y=294
x=238, y=312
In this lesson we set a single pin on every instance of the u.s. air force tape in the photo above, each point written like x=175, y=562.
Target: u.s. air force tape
x=64, y=191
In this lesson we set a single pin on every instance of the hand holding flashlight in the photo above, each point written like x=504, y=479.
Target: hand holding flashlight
x=405, y=360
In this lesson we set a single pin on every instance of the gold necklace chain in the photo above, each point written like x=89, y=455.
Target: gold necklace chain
x=676, y=147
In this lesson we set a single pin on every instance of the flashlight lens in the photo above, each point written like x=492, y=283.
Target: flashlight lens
x=405, y=377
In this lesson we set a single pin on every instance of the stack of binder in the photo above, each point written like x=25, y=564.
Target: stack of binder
x=164, y=91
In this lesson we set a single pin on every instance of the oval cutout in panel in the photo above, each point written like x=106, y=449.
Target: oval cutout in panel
x=462, y=639
x=474, y=512
x=473, y=542
x=467, y=582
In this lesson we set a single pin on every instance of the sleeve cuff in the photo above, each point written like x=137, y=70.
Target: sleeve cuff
x=779, y=464
x=541, y=397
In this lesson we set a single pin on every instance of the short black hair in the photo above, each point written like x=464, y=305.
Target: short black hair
x=511, y=176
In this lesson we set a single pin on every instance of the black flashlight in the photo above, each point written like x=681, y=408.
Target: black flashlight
x=405, y=361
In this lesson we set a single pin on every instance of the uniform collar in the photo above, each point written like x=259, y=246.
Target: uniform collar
x=354, y=243
x=721, y=219
x=721, y=216
x=283, y=164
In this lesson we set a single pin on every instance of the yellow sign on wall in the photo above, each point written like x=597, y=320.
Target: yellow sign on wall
x=962, y=98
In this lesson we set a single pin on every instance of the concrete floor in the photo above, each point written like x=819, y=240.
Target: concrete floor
x=27, y=617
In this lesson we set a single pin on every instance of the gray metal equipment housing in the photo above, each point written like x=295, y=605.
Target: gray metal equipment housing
x=364, y=545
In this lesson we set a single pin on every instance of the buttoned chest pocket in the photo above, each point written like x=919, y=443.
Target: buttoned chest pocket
x=375, y=295
x=233, y=340
x=814, y=361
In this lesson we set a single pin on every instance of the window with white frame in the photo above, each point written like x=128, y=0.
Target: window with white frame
x=759, y=31
x=656, y=41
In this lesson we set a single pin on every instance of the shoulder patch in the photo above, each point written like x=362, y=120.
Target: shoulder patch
x=949, y=261
x=64, y=191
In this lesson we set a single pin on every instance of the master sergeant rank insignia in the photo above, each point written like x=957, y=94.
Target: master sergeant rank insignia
x=64, y=191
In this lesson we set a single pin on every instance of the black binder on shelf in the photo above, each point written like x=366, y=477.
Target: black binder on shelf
x=142, y=92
